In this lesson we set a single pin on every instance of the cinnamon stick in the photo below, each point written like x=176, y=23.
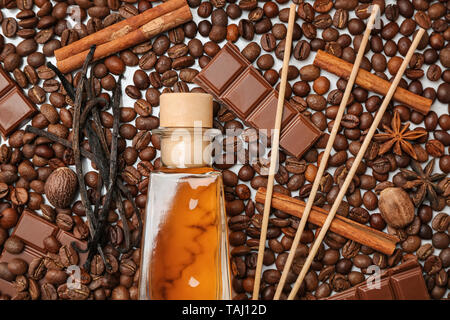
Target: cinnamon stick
x=145, y=32
x=371, y=82
x=118, y=30
x=377, y=240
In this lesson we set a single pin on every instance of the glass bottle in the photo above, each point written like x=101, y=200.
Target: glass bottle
x=184, y=251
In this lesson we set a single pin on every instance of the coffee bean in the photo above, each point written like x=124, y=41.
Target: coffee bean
x=188, y=74
x=55, y=277
x=246, y=29
x=14, y=245
x=9, y=27
x=265, y=61
x=115, y=65
x=48, y=292
x=440, y=240
x=441, y=222
x=51, y=244
x=268, y=42
x=323, y=291
x=68, y=256
x=17, y=266
x=26, y=47
x=64, y=221
x=432, y=265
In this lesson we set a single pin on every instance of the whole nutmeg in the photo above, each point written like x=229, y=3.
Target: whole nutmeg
x=61, y=187
x=396, y=207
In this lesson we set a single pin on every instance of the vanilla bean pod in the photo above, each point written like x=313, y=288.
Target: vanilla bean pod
x=101, y=136
x=113, y=161
x=115, y=132
x=97, y=152
x=76, y=143
x=84, y=153
x=98, y=199
x=90, y=156
x=66, y=84
x=135, y=209
x=113, y=174
x=126, y=229
x=58, y=139
x=99, y=159
x=92, y=221
x=88, y=108
x=96, y=117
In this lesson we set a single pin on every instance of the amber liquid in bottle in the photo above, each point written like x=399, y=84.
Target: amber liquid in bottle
x=184, y=248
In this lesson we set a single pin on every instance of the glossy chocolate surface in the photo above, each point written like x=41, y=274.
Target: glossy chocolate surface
x=15, y=107
x=231, y=78
x=403, y=282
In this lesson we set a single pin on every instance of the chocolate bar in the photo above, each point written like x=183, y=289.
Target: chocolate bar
x=32, y=230
x=15, y=107
x=404, y=282
x=232, y=79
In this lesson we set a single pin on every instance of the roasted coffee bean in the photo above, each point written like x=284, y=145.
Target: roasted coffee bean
x=411, y=244
x=68, y=256
x=56, y=277
x=432, y=265
x=440, y=240
x=251, y=51
x=97, y=265
x=441, y=222
x=21, y=283
x=51, y=244
x=14, y=245
x=127, y=267
x=9, y=27
x=37, y=269
x=246, y=29
x=268, y=42
x=26, y=47
x=64, y=221
x=425, y=251
x=17, y=266
x=5, y=273
x=48, y=292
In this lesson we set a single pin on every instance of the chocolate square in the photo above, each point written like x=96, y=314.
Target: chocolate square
x=28, y=254
x=7, y=288
x=299, y=135
x=33, y=229
x=247, y=91
x=15, y=108
x=350, y=294
x=383, y=293
x=222, y=70
x=263, y=117
x=409, y=285
x=244, y=90
x=6, y=82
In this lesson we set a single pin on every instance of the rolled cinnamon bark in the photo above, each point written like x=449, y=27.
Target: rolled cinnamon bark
x=347, y=228
x=145, y=32
x=118, y=30
x=371, y=82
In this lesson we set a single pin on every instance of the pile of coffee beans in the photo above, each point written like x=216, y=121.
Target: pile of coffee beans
x=33, y=29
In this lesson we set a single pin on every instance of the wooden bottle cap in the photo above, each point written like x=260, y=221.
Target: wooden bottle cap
x=186, y=110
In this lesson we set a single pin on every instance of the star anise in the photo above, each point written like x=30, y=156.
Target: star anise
x=398, y=137
x=424, y=182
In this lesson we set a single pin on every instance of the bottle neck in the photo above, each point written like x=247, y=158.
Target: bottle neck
x=186, y=147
